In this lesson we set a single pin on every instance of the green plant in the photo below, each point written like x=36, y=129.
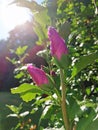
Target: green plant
x=70, y=100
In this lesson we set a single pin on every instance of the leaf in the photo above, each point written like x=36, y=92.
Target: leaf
x=86, y=121
x=41, y=21
x=83, y=62
x=51, y=110
x=52, y=8
x=13, y=61
x=49, y=113
x=26, y=87
x=42, y=100
x=63, y=62
x=14, y=108
x=28, y=96
x=21, y=50
x=32, y=5
x=27, y=91
x=42, y=18
x=39, y=31
x=20, y=75
x=65, y=30
x=73, y=108
x=87, y=103
x=93, y=125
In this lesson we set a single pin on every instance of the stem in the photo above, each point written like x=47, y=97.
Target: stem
x=58, y=95
x=63, y=101
x=74, y=127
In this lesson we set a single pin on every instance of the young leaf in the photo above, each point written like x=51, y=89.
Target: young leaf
x=21, y=50
x=20, y=75
x=14, y=108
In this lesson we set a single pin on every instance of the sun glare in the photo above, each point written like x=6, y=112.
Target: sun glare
x=14, y=15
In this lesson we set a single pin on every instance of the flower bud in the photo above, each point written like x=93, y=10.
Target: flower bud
x=52, y=73
x=38, y=75
x=58, y=47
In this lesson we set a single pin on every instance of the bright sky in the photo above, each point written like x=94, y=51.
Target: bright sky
x=10, y=16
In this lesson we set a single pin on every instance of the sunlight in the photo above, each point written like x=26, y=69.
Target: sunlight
x=13, y=15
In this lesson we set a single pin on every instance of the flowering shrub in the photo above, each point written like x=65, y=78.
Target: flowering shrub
x=56, y=94
x=64, y=99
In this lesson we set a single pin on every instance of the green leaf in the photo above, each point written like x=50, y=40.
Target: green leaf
x=88, y=91
x=83, y=62
x=20, y=75
x=39, y=31
x=28, y=96
x=42, y=18
x=88, y=103
x=93, y=125
x=13, y=61
x=32, y=5
x=51, y=110
x=86, y=121
x=26, y=87
x=41, y=21
x=43, y=100
x=27, y=91
x=14, y=108
x=52, y=8
x=65, y=30
x=73, y=108
x=21, y=50
x=63, y=62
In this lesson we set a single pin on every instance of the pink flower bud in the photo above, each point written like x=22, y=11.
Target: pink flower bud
x=57, y=47
x=52, y=73
x=38, y=75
